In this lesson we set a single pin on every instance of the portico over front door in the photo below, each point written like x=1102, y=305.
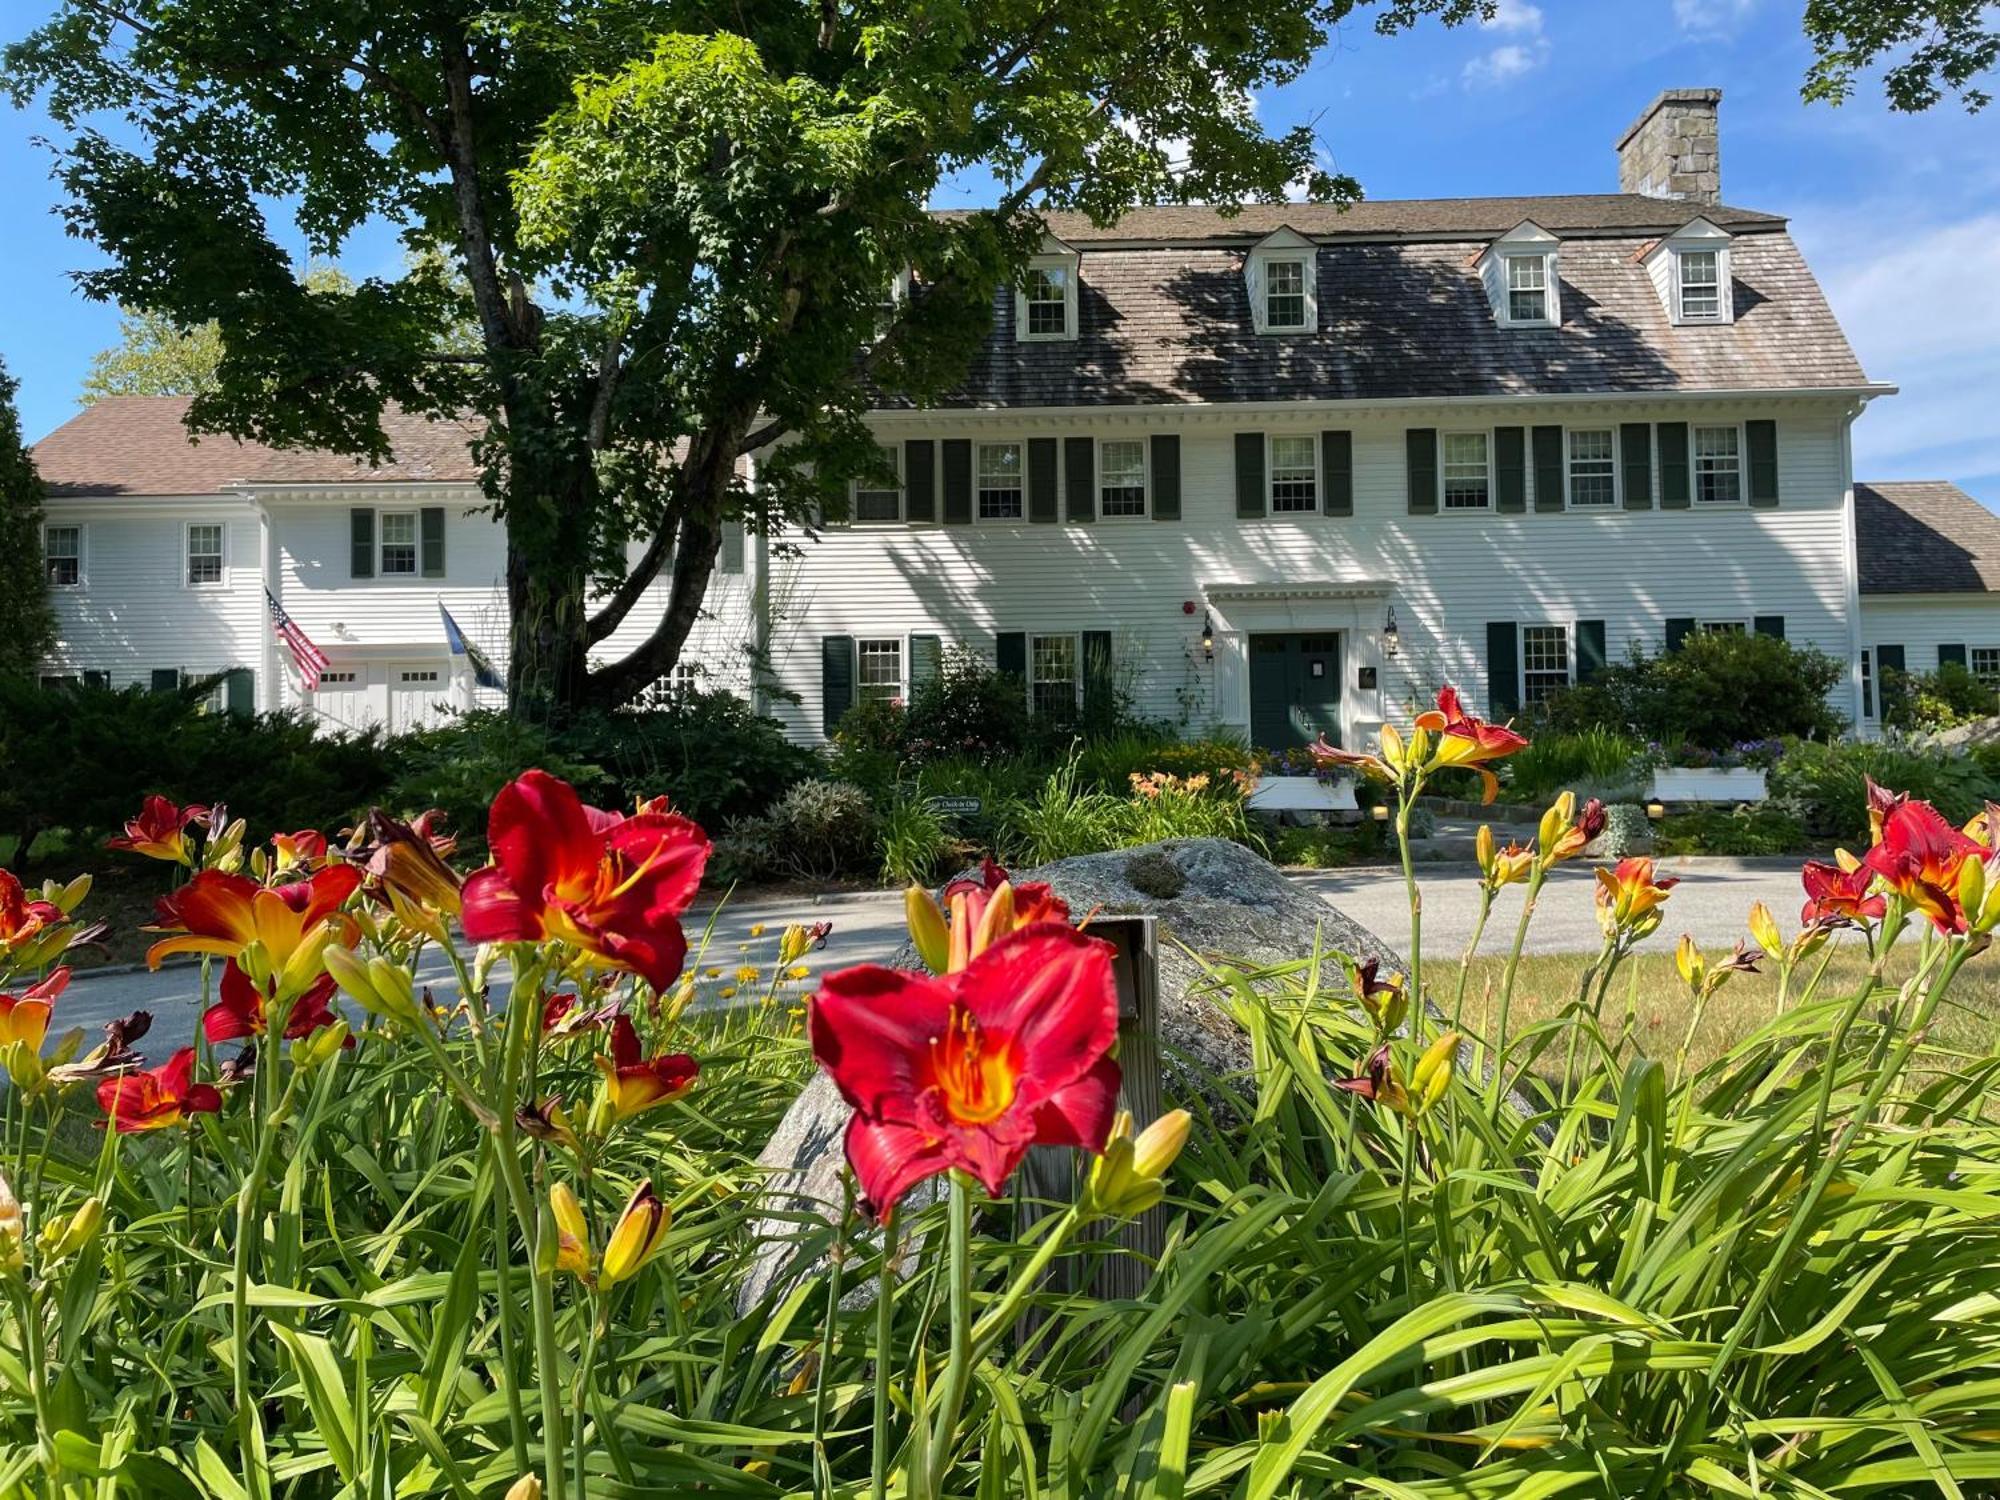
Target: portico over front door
x=1294, y=689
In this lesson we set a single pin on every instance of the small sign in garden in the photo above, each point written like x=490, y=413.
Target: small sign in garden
x=957, y=807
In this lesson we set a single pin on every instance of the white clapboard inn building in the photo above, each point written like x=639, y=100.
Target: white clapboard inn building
x=1283, y=470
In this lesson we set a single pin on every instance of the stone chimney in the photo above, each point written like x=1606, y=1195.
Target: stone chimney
x=1673, y=149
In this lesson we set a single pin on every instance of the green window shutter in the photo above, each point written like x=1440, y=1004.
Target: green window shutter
x=1503, y=669
x=241, y=689
x=1010, y=654
x=1166, y=477
x=1947, y=655
x=1549, y=486
x=1674, y=488
x=1336, y=460
x=920, y=480
x=1042, y=479
x=361, y=542
x=1761, y=438
x=1080, y=478
x=1420, y=449
x=732, y=547
x=1589, y=649
x=1771, y=625
x=1510, y=470
x=957, y=481
x=430, y=531
x=836, y=680
x=166, y=679
x=1249, y=475
x=1679, y=628
x=1889, y=659
x=1635, y=447
x=926, y=654
x=1098, y=683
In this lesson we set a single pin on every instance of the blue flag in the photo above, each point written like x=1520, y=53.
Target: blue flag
x=482, y=668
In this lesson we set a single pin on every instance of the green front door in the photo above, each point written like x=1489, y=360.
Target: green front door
x=1294, y=689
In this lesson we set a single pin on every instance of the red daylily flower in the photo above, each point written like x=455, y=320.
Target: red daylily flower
x=610, y=886
x=1466, y=741
x=160, y=1097
x=24, y=1018
x=1034, y=900
x=20, y=918
x=634, y=1083
x=969, y=1069
x=160, y=830
x=1918, y=855
x=1839, y=893
x=222, y=913
x=306, y=847
x=239, y=1009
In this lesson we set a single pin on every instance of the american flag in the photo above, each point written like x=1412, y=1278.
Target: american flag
x=310, y=660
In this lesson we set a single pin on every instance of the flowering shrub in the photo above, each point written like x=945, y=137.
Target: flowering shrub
x=478, y=1223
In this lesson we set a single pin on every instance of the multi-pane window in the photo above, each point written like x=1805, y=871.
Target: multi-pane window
x=881, y=670
x=1285, y=294
x=399, y=542
x=686, y=680
x=1048, y=301
x=1722, y=627
x=1527, y=289
x=1718, y=465
x=1121, y=477
x=62, y=552
x=874, y=501
x=1467, y=481
x=1000, y=482
x=1701, y=284
x=1593, y=468
x=204, y=555
x=1294, y=475
x=1544, y=662
x=1867, y=684
x=1052, y=675
x=1985, y=664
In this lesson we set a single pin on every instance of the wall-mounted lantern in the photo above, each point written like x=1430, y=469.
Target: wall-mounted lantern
x=1207, y=636
x=1391, y=642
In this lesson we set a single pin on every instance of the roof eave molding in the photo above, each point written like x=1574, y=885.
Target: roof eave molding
x=1284, y=237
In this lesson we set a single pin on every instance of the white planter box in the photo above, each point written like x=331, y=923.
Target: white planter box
x=1708, y=784
x=1302, y=794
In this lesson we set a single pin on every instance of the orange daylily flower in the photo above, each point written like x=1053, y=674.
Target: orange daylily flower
x=225, y=914
x=1918, y=854
x=1463, y=740
x=160, y=831
x=634, y=1083
x=1839, y=893
x=24, y=1018
x=154, y=1100
x=1629, y=898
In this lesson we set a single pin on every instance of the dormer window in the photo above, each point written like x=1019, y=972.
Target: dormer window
x=1700, y=280
x=1045, y=305
x=1690, y=270
x=1519, y=273
x=1281, y=275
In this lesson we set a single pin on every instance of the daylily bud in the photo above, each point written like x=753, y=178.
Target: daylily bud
x=1693, y=967
x=1555, y=822
x=928, y=932
x=1159, y=1145
x=1392, y=748
x=527, y=1487
x=572, y=1243
x=13, y=1230
x=1418, y=752
x=547, y=1122
x=1482, y=850
x=636, y=1236
x=1127, y=1177
x=321, y=1046
x=1432, y=1075
x=998, y=919
x=66, y=1234
x=1972, y=887
x=377, y=985
x=793, y=945
x=68, y=898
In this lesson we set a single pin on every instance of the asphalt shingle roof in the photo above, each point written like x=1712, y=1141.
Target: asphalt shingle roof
x=1924, y=536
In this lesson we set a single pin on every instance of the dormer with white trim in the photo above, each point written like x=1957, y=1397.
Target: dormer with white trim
x=1690, y=270
x=1281, y=274
x=1045, y=302
x=1522, y=279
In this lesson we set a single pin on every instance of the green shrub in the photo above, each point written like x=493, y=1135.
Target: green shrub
x=1744, y=832
x=1063, y=819
x=1931, y=701
x=1825, y=786
x=459, y=767
x=1583, y=761
x=916, y=842
x=1627, y=831
x=1110, y=763
x=1713, y=690
x=816, y=831
x=1165, y=806
x=967, y=710
x=1326, y=846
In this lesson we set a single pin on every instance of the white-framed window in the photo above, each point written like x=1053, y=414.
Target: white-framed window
x=398, y=543
x=1121, y=477
x=1294, y=468
x=1718, y=466
x=1867, y=683
x=338, y=682
x=879, y=674
x=1284, y=295
x=1527, y=289
x=1045, y=306
x=1054, y=683
x=1466, y=473
x=1593, y=468
x=874, y=502
x=1722, y=627
x=1698, y=284
x=1544, y=662
x=999, y=482
x=62, y=555
x=1984, y=664
x=686, y=680
x=889, y=306
x=204, y=554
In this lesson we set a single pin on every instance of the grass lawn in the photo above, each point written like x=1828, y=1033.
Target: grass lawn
x=1650, y=990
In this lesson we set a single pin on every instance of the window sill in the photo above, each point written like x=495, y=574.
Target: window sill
x=1044, y=338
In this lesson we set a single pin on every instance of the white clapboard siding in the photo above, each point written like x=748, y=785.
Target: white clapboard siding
x=1920, y=623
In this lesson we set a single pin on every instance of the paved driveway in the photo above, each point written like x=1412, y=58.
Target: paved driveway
x=868, y=928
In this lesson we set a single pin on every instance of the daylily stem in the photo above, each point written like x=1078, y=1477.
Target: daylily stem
x=958, y=1372
x=249, y=1199
x=1536, y=876
x=885, y=1328
x=1419, y=1007
x=1486, y=894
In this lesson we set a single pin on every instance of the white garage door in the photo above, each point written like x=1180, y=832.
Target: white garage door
x=347, y=698
x=420, y=694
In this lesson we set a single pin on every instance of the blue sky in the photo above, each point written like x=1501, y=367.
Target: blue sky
x=1899, y=216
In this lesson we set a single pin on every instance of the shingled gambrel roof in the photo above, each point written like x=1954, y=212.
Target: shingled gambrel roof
x=1925, y=536
x=1402, y=318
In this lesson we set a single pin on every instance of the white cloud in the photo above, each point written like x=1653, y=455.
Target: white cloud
x=1711, y=17
x=1514, y=15
x=1513, y=59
